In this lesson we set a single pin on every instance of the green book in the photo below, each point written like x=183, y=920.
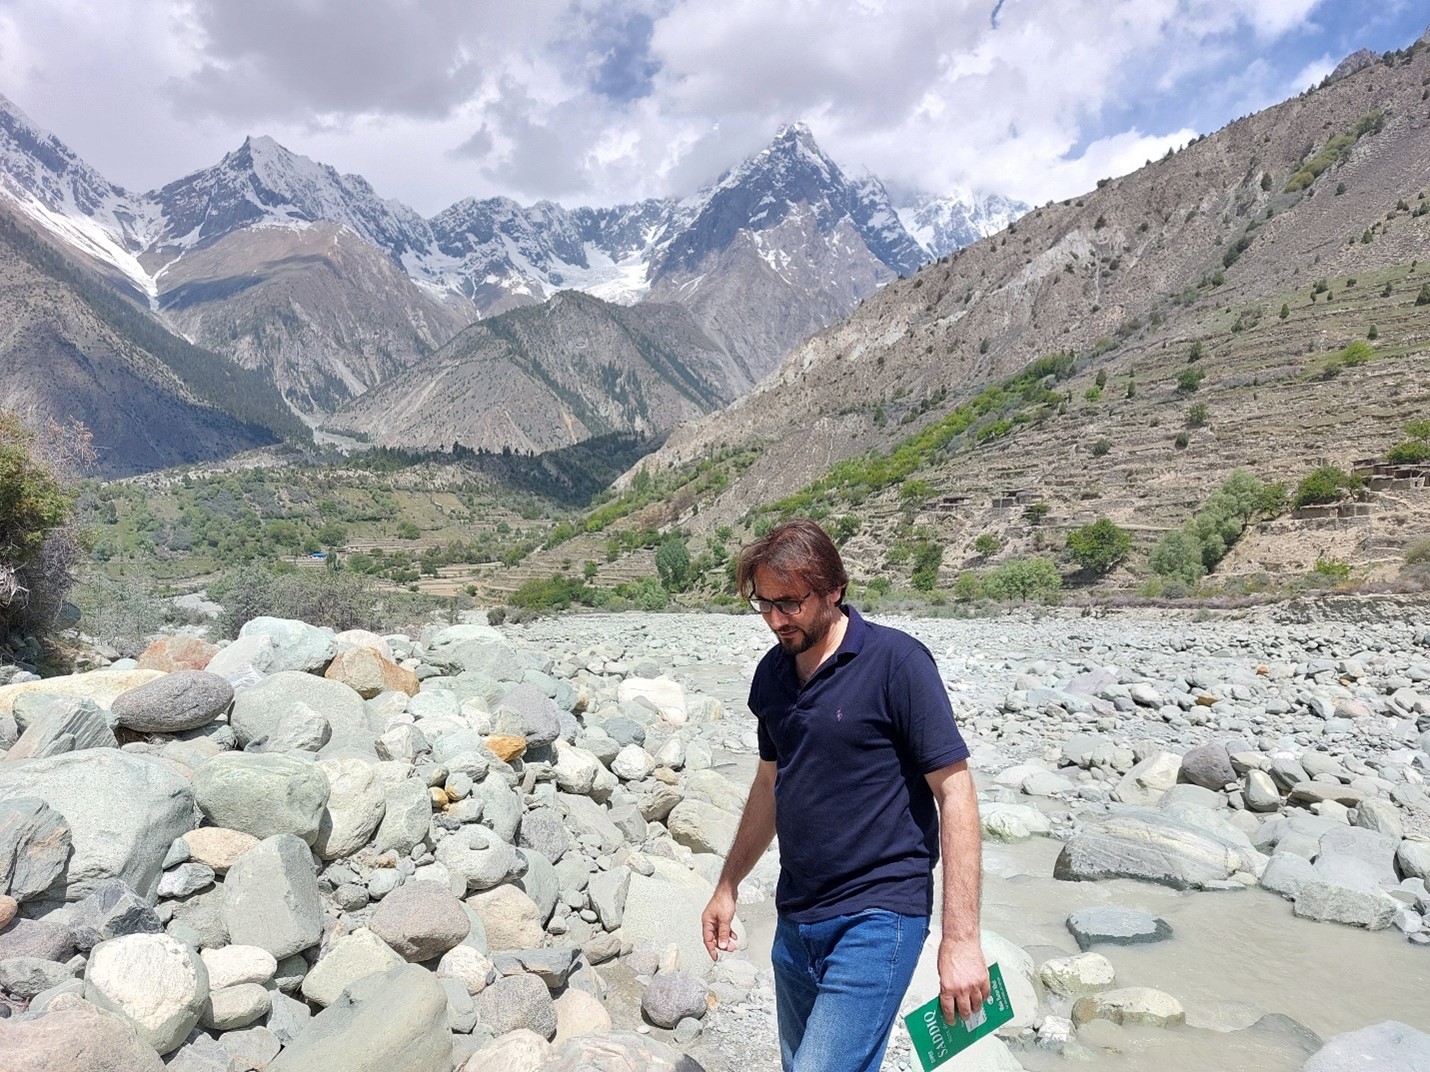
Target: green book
x=936, y=1040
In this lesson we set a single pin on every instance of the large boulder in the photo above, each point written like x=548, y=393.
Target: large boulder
x=1388, y=1046
x=263, y=795
x=1156, y=847
x=420, y=921
x=155, y=981
x=397, y=1020
x=270, y=898
x=101, y=686
x=510, y=919
x=702, y=827
x=34, y=847
x=259, y=712
x=299, y=646
x=368, y=673
x=664, y=908
x=65, y=724
x=183, y=700
x=673, y=996
x=621, y=1051
x=352, y=957
x=75, y=1036
x=518, y=1001
x=124, y=811
x=478, y=856
x=182, y=652
x=356, y=804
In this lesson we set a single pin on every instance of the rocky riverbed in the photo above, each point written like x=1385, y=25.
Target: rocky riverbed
x=1206, y=845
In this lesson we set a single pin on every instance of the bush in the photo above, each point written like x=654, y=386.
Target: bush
x=1188, y=380
x=1327, y=484
x=1423, y=298
x=987, y=543
x=1412, y=450
x=1035, y=513
x=1101, y=447
x=1024, y=579
x=1418, y=429
x=332, y=597
x=1099, y=546
x=1181, y=441
x=39, y=546
x=672, y=564
x=1197, y=415
x=967, y=586
x=1415, y=569
x=928, y=557
x=1194, y=550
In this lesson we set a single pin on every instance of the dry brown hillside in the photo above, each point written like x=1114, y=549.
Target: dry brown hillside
x=1203, y=247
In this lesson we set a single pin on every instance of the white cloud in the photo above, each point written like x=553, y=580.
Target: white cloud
x=606, y=100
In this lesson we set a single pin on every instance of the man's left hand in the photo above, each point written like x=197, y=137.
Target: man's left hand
x=962, y=978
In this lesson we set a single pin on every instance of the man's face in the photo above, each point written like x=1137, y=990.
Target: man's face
x=806, y=627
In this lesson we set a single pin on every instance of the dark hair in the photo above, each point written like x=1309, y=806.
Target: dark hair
x=796, y=548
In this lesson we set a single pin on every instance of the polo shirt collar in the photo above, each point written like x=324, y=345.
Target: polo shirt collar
x=854, y=633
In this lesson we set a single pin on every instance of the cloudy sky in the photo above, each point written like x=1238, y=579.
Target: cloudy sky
x=600, y=101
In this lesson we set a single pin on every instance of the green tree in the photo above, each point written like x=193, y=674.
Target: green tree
x=1178, y=555
x=1326, y=484
x=928, y=557
x=39, y=548
x=1024, y=579
x=987, y=543
x=1100, y=546
x=672, y=563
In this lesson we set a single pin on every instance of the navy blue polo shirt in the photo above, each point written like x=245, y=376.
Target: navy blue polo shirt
x=857, y=822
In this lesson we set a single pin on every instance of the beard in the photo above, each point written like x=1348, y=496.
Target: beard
x=796, y=641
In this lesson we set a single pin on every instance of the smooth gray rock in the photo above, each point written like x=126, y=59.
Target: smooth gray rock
x=124, y=811
x=297, y=645
x=478, y=856
x=1116, y=925
x=540, y=882
x=406, y=818
x=540, y=718
x=671, y=997
x=608, y=891
x=397, y=1020
x=518, y=1001
x=356, y=803
x=1208, y=766
x=202, y=915
x=34, y=847
x=1354, y=906
x=1355, y=856
x=543, y=831
x=346, y=960
x=235, y=1006
x=420, y=921
x=77, y=1038
x=618, y=1052
x=25, y=977
x=552, y=966
x=40, y=938
x=201, y=1053
x=1389, y=1046
x=270, y=897
x=501, y=807
x=702, y=827
x=66, y=724
x=263, y=795
x=1286, y=873
x=1413, y=859
x=185, y=879
x=179, y=701
x=1155, y=847
x=260, y=711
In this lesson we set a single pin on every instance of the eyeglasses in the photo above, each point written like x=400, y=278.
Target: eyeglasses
x=788, y=607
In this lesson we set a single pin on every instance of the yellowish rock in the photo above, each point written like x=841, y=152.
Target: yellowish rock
x=367, y=673
x=506, y=747
x=101, y=686
x=218, y=846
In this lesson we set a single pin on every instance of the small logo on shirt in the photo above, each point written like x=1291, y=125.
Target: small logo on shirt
x=839, y=714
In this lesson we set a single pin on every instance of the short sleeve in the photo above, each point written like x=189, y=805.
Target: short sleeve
x=920, y=709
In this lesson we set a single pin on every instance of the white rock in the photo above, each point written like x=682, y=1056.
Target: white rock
x=155, y=981
x=235, y=964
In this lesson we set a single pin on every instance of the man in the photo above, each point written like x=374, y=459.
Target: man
x=864, y=775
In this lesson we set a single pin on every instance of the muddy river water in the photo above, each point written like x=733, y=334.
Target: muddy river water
x=1234, y=958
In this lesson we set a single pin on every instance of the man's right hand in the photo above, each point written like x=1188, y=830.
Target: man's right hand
x=715, y=924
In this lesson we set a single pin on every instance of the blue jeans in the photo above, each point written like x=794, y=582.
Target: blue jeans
x=838, y=985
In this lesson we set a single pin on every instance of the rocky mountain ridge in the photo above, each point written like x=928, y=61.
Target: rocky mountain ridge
x=1247, y=261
